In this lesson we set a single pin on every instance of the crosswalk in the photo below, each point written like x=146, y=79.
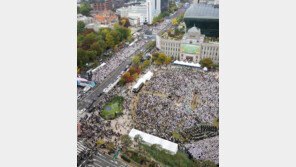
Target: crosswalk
x=80, y=147
x=101, y=160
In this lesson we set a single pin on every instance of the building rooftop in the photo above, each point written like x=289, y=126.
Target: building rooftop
x=202, y=11
x=194, y=29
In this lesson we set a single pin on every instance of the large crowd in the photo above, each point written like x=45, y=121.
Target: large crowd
x=115, y=61
x=161, y=116
x=94, y=128
x=164, y=110
x=121, y=56
x=207, y=149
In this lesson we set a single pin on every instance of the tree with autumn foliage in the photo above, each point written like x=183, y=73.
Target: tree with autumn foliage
x=168, y=60
x=136, y=60
x=146, y=63
x=110, y=40
x=155, y=56
x=116, y=48
x=207, y=62
x=158, y=62
x=175, y=21
x=124, y=22
x=162, y=57
x=99, y=47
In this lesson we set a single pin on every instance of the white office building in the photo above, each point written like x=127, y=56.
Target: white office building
x=153, y=9
x=137, y=15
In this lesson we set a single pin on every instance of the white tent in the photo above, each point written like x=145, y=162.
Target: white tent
x=150, y=140
x=186, y=63
x=205, y=69
x=146, y=77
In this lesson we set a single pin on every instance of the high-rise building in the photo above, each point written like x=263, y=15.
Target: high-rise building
x=153, y=9
x=164, y=5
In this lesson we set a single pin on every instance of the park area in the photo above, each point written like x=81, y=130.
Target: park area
x=113, y=108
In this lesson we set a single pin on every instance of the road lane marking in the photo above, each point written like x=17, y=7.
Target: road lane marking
x=104, y=161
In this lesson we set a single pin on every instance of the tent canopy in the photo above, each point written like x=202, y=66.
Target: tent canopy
x=150, y=140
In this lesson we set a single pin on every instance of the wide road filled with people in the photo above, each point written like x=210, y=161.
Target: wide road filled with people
x=117, y=63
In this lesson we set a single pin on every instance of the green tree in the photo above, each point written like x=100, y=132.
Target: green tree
x=110, y=40
x=135, y=75
x=126, y=141
x=181, y=16
x=124, y=22
x=154, y=56
x=80, y=27
x=99, y=47
x=88, y=41
x=91, y=55
x=162, y=57
x=122, y=81
x=168, y=60
x=175, y=21
x=138, y=138
x=146, y=63
x=116, y=48
x=116, y=36
x=136, y=60
x=206, y=62
x=128, y=74
x=84, y=9
x=158, y=62
x=103, y=32
x=81, y=58
x=215, y=66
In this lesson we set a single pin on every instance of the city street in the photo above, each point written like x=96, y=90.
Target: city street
x=92, y=95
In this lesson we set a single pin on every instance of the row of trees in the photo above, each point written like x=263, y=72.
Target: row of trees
x=177, y=20
x=138, y=65
x=92, y=43
x=160, y=59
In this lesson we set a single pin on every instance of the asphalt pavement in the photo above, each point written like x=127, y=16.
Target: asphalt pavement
x=101, y=160
x=93, y=95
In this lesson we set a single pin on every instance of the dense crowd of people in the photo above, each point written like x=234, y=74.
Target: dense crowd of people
x=116, y=60
x=207, y=149
x=94, y=128
x=121, y=56
x=184, y=85
x=161, y=116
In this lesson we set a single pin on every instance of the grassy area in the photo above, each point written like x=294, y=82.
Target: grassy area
x=154, y=155
x=113, y=108
x=162, y=156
